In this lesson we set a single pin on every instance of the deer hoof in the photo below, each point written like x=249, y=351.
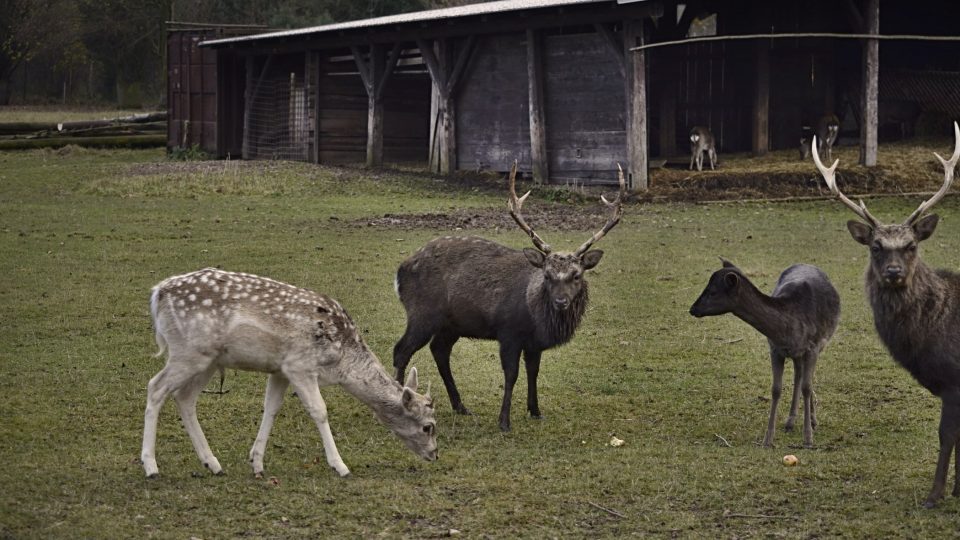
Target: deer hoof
x=462, y=410
x=505, y=427
x=929, y=503
x=153, y=476
x=536, y=416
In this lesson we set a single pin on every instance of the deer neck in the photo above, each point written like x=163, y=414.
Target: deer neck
x=763, y=312
x=909, y=312
x=363, y=377
x=558, y=326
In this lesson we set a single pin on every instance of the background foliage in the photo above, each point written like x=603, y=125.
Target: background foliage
x=93, y=51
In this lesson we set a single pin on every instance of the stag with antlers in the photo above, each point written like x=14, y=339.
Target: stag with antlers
x=529, y=300
x=916, y=309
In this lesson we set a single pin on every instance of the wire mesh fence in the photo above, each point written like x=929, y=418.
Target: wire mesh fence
x=279, y=120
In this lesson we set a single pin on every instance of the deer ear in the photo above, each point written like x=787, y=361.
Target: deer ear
x=731, y=280
x=407, y=398
x=924, y=227
x=591, y=258
x=412, y=380
x=727, y=264
x=535, y=256
x=860, y=232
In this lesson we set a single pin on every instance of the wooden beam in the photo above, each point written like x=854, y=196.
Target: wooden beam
x=388, y=69
x=433, y=66
x=505, y=23
x=363, y=67
x=761, y=100
x=463, y=57
x=636, y=92
x=613, y=44
x=538, y=137
x=870, y=92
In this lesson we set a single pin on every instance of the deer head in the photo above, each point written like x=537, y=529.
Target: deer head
x=721, y=294
x=562, y=271
x=413, y=421
x=893, y=248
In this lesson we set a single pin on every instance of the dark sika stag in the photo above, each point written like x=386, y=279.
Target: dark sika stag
x=916, y=309
x=529, y=300
x=798, y=319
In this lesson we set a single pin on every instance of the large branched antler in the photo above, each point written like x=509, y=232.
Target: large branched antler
x=829, y=176
x=948, y=167
x=515, y=204
x=617, y=211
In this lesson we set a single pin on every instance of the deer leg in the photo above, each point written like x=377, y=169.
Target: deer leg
x=305, y=384
x=531, y=359
x=186, y=398
x=693, y=157
x=272, y=400
x=169, y=379
x=412, y=341
x=776, y=363
x=949, y=431
x=712, y=153
x=441, y=346
x=806, y=388
x=510, y=361
x=956, y=470
x=795, y=400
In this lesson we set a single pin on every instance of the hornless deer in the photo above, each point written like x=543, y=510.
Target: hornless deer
x=916, y=310
x=529, y=300
x=798, y=319
x=211, y=320
x=701, y=140
x=828, y=127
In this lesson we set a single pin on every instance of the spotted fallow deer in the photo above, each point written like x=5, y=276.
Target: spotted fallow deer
x=916, y=309
x=529, y=300
x=210, y=320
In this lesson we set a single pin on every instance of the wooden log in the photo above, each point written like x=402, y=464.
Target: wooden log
x=129, y=141
x=870, y=92
x=538, y=137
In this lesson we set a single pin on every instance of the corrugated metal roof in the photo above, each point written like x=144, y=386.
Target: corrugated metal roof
x=484, y=8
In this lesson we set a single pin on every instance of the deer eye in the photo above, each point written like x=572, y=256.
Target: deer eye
x=875, y=248
x=911, y=248
x=428, y=429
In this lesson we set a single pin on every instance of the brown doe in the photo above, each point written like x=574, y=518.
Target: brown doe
x=529, y=300
x=916, y=309
x=701, y=140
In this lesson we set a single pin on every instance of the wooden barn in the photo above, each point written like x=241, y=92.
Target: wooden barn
x=553, y=84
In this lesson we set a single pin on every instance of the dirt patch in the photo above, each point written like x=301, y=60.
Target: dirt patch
x=552, y=216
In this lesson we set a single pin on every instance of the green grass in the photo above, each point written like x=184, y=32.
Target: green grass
x=56, y=113
x=84, y=234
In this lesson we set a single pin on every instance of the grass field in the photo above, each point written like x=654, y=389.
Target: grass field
x=84, y=235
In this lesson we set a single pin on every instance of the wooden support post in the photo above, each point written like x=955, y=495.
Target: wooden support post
x=761, y=101
x=442, y=74
x=375, y=108
x=538, y=137
x=636, y=92
x=871, y=74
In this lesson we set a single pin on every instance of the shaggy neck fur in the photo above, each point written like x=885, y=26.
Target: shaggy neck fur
x=907, y=317
x=558, y=325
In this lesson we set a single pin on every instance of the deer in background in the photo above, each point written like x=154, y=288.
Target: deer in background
x=916, y=310
x=701, y=140
x=529, y=300
x=798, y=319
x=828, y=128
x=211, y=320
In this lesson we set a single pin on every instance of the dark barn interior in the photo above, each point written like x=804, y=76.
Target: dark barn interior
x=554, y=84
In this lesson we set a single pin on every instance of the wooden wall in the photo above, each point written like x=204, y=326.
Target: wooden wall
x=493, y=126
x=584, y=96
x=342, y=112
x=191, y=90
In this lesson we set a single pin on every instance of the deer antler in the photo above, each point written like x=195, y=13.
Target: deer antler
x=948, y=167
x=830, y=178
x=515, y=204
x=617, y=210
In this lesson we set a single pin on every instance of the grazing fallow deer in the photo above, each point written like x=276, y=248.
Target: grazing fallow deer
x=916, y=309
x=529, y=300
x=828, y=128
x=701, y=140
x=211, y=320
x=798, y=320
